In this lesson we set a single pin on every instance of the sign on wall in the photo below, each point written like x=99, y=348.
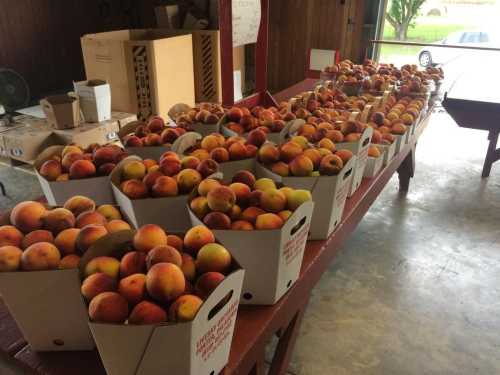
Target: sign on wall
x=246, y=21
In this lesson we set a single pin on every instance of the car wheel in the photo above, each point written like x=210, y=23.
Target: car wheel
x=425, y=59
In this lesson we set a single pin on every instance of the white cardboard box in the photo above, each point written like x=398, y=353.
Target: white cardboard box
x=169, y=212
x=58, y=192
x=329, y=194
x=201, y=346
x=95, y=101
x=271, y=258
x=144, y=152
x=390, y=151
x=360, y=149
x=374, y=165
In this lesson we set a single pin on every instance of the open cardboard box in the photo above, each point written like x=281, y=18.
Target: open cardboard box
x=374, y=165
x=228, y=168
x=329, y=194
x=200, y=128
x=400, y=141
x=390, y=151
x=170, y=213
x=271, y=258
x=199, y=347
x=95, y=99
x=360, y=150
x=62, y=111
x=145, y=152
x=58, y=192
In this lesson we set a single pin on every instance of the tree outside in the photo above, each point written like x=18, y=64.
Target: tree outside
x=401, y=14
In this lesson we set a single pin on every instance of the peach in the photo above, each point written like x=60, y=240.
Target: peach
x=287, y=191
x=220, y=154
x=108, y=307
x=70, y=261
x=10, y=258
x=398, y=129
x=256, y=137
x=66, y=240
x=251, y=151
x=352, y=137
x=300, y=140
x=336, y=136
x=263, y=184
x=345, y=155
x=134, y=170
x=280, y=168
x=71, y=148
x=268, y=154
x=235, y=114
x=211, y=142
x=373, y=152
x=151, y=140
x=237, y=128
x=40, y=256
x=169, y=136
x=132, y=262
x=273, y=200
x=134, y=189
x=268, y=221
x=331, y=165
x=198, y=236
x=148, y=163
x=327, y=143
x=301, y=166
x=106, y=169
x=188, y=266
x=133, y=288
x=105, y=154
x=88, y=235
x=97, y=283
x=221, y=198
x=238, y=151
x=241, y=191
x=117, y=225
x=314, y=155
x=244, y=177
x=51, y=170
x=165, y=186
x=169, y=155
x=188, y=179
x=163, y=253
x=58, y=219
x=184, y=308
x=241, y=225
x=388, y=137
x=146, y=312
x=79, y=204
x=324, y=152
x=285, y=215
x=213, y=257
x=190, y=162
x=39, y=235
x=165, y=282
x=207, y=167
x=109, y=212
x=207, y=283
x=290, y=151
x=217, y=220
x=88, y=218
x=199, y=206
x=297, y=198
x=108, y=265
x=150, y=178
x=63, y=177
x=133, y=141
x=28, y=216
x=149, y=236
x=170, y=166
x=235, y=212
x=206, y=185
x=201, y=154
x=10, y=235
x=82, y=169
x=175, y=241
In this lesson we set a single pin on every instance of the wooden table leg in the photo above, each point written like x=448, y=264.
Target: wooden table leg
x=406, y=170
x=492, y=155
x=286, y=344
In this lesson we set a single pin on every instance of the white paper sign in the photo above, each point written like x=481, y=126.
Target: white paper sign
x=238, y=95
x=246, y=21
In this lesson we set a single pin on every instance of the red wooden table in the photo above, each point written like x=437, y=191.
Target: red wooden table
x=255, y=326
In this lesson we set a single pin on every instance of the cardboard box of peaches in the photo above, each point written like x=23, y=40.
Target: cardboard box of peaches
x=155, y=300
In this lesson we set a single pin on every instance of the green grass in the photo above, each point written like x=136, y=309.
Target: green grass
x=426, y=33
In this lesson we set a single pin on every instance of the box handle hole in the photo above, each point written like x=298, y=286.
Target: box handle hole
x=248, y=296
x=366, y=141
x=220, y=305
x=289, y=283
x=347, y=174
x=58, y=342
x=298, y=226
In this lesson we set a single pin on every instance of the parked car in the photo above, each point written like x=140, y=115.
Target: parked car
x=430, y=55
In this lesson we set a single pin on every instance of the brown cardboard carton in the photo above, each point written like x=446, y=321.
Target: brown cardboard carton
x=329, y=194
x=88, y=133
x=62, y=111
x=138, y=65
x=271, y=258
x=26, y=141
x=123, y=118
x=170, y=212
x=228, y=169
x=198, y=347
x=360, y=149
x=58, y=192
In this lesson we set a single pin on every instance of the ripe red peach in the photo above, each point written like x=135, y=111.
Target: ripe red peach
x=108, y=307
x=134, y=189
x=170, y=166
x=68, y=262
x=28, y=216
x=163, y=253
x=280, y=168
x=208, y=167
x=220, y=154
x=199, y=206
x=290, y=151
x=344, y=154
x=184, y=308
x=217, y=220
x=97, y=283
x=71, y=148
x=40, y=256
x=251, y=213
x=268, y=154
x=331, y=165
x=88, y=235
x=175, y=241
x=314, y=155
x=109, y=212
x=79, y=204
x=104, y=264
x=165, y=282
x=235, y=114
x=133, y=288
x=241, y=225
x=88, y=218
x=221, y=198
x=50, y=170
x=187, y=180
x=201, y=154
x=58, y=219
x=39, y=235
x=150, y=178
x=132, y=262
x=146, y=312
x=206, y=185
x=10, y=235
x=213, y=257
x=238, y=151
x=165, y=186
x=105, y=154
x=149, y=236
x=197, y=237
x=207, y=283
x=188, y=266
x=10, y=258
x=117, y=225
x=296, y=199
x=273, y=200
x=82, y=169
x=66, y=240
x=268, y=221
x=257, y=137
x=190, y=162
x=211, y=142
x=301, y=166
x=244, y=177
x=241, y=191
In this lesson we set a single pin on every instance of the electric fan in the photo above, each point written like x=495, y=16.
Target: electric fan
x=14, y=94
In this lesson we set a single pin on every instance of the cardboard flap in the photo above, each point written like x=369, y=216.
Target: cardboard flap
x=365, y=114
x=296, y=221
x=46, y=154
x=116, y=174
x=353, y=116
x=291, y=128
x=385, y=97
x=178, y=109
x=121, y=347
x=185, y=141
x=129, y=128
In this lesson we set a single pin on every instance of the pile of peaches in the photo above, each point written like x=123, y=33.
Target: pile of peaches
x=270, y=120
x=170, y=177
x=75, y=162
x=246, y=203
x=204, y=113
x=297, y=158
x=160, y=278
x=41, y=238
x=153, y=133
x=221, y=149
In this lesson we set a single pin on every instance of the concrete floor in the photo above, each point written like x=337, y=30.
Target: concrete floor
x=416, y=289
